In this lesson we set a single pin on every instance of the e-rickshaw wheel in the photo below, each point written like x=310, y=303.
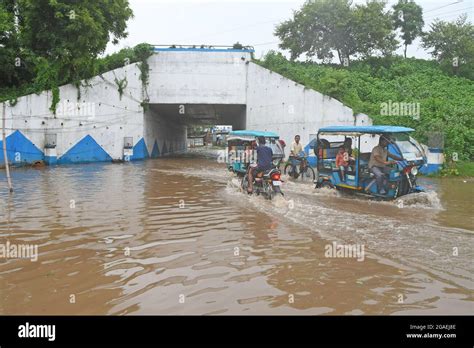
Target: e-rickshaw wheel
x=326, y=184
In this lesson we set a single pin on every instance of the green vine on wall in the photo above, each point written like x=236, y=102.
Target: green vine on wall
x=145, y=105
x=49, y=73
x=121, y=84
x=142, y=53
x=77, y=84
x=55, y=100
x=144, y=72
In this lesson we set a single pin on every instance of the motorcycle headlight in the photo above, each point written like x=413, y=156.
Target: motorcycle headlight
x=414, y=171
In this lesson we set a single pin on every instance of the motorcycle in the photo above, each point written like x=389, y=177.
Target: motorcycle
x=407, y=184
x=267, y=183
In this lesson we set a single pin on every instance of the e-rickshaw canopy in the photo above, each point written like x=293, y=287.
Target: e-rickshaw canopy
x=364, y=129
x=250, y=135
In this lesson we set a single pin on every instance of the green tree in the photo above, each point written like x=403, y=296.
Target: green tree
x=6, y=32
x=452, y=44
x=13, y=69
x=319, y=28
x=408, y=16
x=373, y=28
x=46, y=43
x=322, y=27
x=70, y=34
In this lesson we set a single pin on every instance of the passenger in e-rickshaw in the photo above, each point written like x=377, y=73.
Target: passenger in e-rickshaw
x=343, y=161
x=378, y=163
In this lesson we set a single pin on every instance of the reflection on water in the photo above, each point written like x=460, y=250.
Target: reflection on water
x=175, y=236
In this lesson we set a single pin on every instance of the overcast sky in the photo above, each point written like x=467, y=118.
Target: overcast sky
x=224, y=22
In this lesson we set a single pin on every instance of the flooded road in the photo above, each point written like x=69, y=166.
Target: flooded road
x=175, y=236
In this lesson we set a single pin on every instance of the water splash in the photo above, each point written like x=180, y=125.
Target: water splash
x=427, y=200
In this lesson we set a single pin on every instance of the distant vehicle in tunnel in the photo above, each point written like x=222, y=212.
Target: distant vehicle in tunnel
x=240, y=151
x=400, y=176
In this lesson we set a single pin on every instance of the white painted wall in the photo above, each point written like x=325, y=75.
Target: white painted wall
x=275, y=103
x=195, y=77
x=112, y=119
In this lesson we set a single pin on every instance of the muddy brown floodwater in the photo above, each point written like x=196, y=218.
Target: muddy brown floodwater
x=175, y=236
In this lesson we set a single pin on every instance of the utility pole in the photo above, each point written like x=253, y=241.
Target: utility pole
x=7, y=168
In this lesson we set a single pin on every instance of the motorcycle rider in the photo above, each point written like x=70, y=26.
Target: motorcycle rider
x=264, y=162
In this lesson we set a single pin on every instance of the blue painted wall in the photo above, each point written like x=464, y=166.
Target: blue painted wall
x=86, y=150
x=139, y=151
x=156, y=151
x=20, y=150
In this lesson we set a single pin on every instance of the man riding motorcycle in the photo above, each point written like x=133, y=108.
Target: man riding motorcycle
x=264, y=162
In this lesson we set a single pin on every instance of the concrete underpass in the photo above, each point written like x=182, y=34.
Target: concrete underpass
x=165, y=125
x=187, y=86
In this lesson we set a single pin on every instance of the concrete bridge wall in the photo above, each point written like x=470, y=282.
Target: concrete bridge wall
x=275, y=103
x=185, y=86
x=197, y=76
x=91, y=128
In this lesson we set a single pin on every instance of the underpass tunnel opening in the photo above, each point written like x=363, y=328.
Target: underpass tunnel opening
x=165, y=125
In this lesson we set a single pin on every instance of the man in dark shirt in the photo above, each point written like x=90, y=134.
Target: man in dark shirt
x=264, y=161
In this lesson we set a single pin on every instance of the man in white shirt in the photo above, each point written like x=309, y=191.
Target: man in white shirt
x=295, y=150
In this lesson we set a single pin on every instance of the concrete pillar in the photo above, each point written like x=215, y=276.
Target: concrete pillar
x=50, y=156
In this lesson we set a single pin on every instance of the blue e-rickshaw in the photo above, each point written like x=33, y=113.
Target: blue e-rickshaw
x=240, y=146
x=401, y=179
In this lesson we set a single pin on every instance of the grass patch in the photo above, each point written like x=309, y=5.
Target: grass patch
x=465, y=168
x=459, y=168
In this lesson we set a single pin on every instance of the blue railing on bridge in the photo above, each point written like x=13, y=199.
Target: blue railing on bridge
x=203, y=48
